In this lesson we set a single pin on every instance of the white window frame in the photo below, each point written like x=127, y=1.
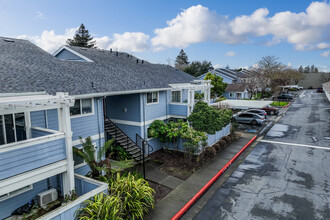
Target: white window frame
x=231, y=95
x=14, y=124
x=180, y=96
x=152, y=103
x=83, y=115
x=11, y=194
x=84, y=162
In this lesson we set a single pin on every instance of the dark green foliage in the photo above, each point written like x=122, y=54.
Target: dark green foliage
x=99, y=163
x=181, y=61
x=197, y=68
x=199, y=96
x=135, y=194
x=82, y=38
x=227, y=139
x=222, y=144
x=216, y=147
x=101, y=206
x=218, y=85
x=207, y=119
x=158, y=129
x=119, y=153
x=210, y=152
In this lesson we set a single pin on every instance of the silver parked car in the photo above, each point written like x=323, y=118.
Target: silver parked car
x=248, y=118
x=257, y=111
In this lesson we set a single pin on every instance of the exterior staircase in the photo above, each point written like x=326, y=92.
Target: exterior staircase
x=133, y=149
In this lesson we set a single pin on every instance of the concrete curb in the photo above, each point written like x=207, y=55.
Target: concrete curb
x=200, y=193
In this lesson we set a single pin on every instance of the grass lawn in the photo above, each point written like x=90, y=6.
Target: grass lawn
x=278, y=103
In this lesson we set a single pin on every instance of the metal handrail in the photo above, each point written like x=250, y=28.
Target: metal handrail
x=149, y=146
x=128, y=138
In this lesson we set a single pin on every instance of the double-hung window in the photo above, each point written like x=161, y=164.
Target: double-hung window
x=176, y=96
x=152, y=97
x=82, y=107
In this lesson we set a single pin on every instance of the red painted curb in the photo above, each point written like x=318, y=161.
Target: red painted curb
x=287, y=105
x=185, y=208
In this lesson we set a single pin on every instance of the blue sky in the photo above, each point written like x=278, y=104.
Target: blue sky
x=237, y=33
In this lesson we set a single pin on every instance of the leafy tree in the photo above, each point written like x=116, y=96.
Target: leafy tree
x=218, y=85
x=307, y=69
x=312, y=69
x=316, y=70
x=301, y=69
x=227, y=67
x=181, y=61
x=207, y=119
x=82, y=38
x=199, y=96
x=197, y=68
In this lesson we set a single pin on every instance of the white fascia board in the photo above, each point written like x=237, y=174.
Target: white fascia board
x=31, y=177
x=72, y=51
x=102, y=94
x=23, y=94
x=93, y=137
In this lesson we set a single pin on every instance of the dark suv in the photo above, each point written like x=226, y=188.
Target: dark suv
x=285, y=96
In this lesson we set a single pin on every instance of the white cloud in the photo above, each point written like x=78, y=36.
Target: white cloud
x=230, y=54
x=216, y=66
x=130, y=42
x=289, y=64
x=40, y=15
x=308, y=30
x=325, y=53
x=50, y=41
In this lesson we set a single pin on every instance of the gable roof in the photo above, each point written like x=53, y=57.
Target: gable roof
x=236, y=87
x=24, y=67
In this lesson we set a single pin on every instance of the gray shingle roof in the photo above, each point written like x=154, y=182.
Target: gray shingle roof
x=236, y=87
x=24, y=67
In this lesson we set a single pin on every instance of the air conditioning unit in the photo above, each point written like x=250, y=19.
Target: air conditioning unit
x=47, y=197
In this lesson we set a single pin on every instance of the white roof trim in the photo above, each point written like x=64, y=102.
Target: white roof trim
x=72, y=51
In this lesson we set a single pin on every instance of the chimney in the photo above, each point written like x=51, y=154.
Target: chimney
x=142, y=61
x=110, y=50
x=116, y=53
x=137, y=61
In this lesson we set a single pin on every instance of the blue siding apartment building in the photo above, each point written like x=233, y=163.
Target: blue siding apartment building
x=48, y=102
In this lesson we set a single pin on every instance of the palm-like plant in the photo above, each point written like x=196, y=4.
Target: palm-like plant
x=101, y=206
x=101, y=163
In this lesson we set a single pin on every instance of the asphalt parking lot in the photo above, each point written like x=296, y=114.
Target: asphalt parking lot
x=287, y=174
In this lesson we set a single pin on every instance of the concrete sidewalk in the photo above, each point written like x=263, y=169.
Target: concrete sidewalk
x=174, y=201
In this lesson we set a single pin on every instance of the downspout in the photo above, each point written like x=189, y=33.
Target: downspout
x=98, y=121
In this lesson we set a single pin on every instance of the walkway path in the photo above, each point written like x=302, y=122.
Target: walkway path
x=183, y=191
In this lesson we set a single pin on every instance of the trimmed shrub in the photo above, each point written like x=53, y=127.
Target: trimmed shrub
x=210, y=152
x=223, y=144
x=216, y=147
x=227, y=139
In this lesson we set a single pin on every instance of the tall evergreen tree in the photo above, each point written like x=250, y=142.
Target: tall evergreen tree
x=181, y=61
x=316, y=70
x=307, y=69
x=197, y=68
x=301, y=69
x=82, y=38
x=312, y=69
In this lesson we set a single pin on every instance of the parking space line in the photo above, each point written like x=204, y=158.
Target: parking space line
x=298, y=145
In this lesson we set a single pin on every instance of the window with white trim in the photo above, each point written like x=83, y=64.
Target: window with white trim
x=176, y=96
x=12, y=128
x=78, y=160
x=152, y=97
x=231, y=95
x=82, y=107
x=15, y=192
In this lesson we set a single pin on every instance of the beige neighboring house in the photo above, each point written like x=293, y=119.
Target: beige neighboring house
x=326, y=89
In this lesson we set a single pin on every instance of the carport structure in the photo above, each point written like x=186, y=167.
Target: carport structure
x=241, y=104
